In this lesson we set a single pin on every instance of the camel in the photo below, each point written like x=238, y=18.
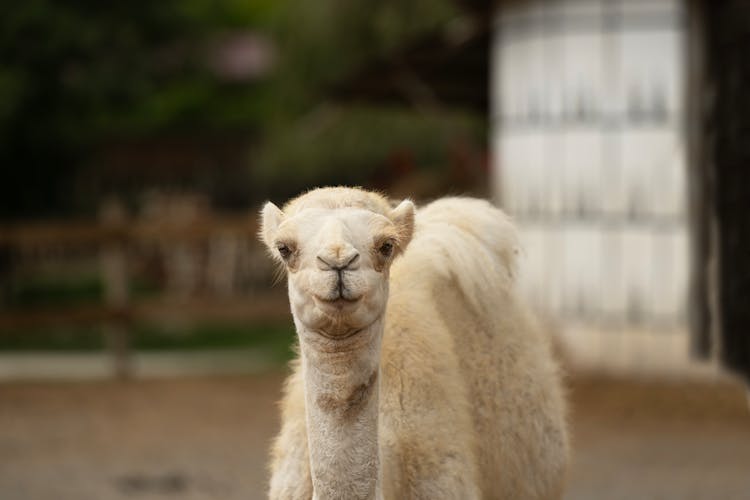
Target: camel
x=420, y=372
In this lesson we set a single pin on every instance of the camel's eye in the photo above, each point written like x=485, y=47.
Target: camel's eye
x=284, y=250
x=386, y=249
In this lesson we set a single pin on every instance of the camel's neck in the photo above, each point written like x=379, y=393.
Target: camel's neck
x=341, y=402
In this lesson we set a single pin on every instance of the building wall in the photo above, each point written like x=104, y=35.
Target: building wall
x=589, y=157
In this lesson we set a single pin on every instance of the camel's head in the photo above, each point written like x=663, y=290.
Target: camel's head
x=337, y=246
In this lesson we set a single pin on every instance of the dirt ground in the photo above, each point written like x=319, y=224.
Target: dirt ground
x=206, y=438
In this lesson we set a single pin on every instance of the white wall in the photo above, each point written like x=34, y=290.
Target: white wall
x=589, y=157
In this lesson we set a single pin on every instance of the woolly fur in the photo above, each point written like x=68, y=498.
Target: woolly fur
x=470, y=403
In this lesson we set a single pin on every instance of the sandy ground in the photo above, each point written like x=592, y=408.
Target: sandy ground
x=206, y=438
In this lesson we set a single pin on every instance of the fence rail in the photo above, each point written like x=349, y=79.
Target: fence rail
x=112, y=238
x=92, y=232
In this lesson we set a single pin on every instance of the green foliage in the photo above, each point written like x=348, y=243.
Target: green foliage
x=75, y=73
x=349, y=145
x=109, y=67
x=312, y=142
x=322, y=42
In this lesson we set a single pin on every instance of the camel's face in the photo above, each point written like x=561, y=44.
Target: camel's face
x=337, y=262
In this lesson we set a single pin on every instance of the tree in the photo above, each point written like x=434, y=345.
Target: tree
x=74, y=73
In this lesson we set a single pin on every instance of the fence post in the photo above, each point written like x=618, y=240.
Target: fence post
x=116, y=294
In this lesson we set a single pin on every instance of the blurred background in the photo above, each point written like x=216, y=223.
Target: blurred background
x=143, y=339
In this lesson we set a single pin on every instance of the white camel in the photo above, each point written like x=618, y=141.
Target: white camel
x=449, y=392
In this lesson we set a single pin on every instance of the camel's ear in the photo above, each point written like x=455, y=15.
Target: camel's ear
x=403, y=218
x=270, y=219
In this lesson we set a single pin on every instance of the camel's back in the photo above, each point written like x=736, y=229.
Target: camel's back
x=459, y=270
x=466, y=241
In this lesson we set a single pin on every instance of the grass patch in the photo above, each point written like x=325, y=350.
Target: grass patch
x=52, y=339
x=56, y=291
x=40, y=291
x=273, y=340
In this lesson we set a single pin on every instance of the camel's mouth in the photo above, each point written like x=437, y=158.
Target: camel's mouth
x=337, y=302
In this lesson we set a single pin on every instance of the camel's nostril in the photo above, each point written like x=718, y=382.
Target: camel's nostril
x=323, y=264
x=350, y=262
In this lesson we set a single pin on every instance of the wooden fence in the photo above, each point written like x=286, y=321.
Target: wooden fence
x=113, y=237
